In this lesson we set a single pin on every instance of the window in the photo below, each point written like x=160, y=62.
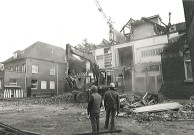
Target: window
x=23, y=67
x=15, y=55
x=151, y=52
x=34, y=68
x=52, y=84
x=34, y=84
x=43, y=84
x=100, y=61
x=16, y=68
x=52, y=71
x=13, y=82
x=188, y=67
x=107, y=50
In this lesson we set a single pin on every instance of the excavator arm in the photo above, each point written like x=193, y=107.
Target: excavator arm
x=88, y=56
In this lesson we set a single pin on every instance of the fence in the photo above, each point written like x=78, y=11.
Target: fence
x=13, y=92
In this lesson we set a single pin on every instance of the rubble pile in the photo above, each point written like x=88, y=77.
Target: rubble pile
x=165, y=116
x=137, y=100
x=147, y=108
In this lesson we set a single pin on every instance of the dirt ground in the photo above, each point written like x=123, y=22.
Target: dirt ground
x=48, y=118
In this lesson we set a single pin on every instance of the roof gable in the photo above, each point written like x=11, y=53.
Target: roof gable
x=43, y=51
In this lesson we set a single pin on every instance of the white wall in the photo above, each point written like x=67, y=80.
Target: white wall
x=150, y=43
x=100, y=52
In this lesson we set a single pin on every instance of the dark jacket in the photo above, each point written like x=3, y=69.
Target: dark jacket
x=95, y=103
x=112, y=100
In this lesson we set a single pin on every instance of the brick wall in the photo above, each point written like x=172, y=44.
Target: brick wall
x=44, y=75
x=174, y=85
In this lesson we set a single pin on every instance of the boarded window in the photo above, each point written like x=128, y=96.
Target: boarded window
x=52, y=85
x=52, y=71
x=108, y=60
x=188, y=67
x=34, y=68
x=34, y=84
x=43, y=84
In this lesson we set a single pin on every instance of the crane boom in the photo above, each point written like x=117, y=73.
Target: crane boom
x=108, y=21
x=104, y=15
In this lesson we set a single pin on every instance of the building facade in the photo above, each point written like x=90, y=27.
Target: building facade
x=177, y=69
x=136, y=64
x=1, y=82
x=38, y=70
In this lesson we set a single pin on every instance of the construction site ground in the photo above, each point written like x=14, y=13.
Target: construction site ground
x=46, y=117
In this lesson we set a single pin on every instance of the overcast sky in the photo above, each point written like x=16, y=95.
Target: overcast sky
x=58, y=22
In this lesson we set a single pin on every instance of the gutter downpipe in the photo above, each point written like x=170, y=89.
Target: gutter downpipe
x=26, y=69
x=57, y=81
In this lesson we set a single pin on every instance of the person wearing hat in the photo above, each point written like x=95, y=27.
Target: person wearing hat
x=112, y=105
x=94, y=105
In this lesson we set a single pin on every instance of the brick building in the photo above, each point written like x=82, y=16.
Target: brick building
x=1, y=82
x=188, y=6
x=39, y=70
x=176, y=69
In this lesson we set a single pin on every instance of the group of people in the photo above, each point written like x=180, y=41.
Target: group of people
x=111, y=105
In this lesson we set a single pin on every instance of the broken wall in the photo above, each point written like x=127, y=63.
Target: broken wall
x=147, y=78
x=123, y=66
x=143, y=31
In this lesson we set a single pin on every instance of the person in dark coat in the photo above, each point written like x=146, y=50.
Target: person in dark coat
x=112, y=105
x=94, y=105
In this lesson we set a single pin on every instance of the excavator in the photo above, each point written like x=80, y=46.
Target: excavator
x=101, y=77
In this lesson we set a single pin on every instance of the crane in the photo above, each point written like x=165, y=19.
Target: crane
x=109, y=22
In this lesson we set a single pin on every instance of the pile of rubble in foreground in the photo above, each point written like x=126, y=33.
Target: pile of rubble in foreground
x=147, y=108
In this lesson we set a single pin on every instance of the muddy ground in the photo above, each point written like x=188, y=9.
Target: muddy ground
x=67, y=118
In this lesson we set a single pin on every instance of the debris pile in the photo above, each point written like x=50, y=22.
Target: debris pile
x=147, y=108
x=137, y=100
x=169, y=115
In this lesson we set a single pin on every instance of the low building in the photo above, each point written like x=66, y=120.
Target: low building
x=39, y=70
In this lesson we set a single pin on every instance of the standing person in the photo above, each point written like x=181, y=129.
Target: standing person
x=94, y=105
x=112, y=105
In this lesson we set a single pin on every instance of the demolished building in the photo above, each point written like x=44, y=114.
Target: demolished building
x=136, y=64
